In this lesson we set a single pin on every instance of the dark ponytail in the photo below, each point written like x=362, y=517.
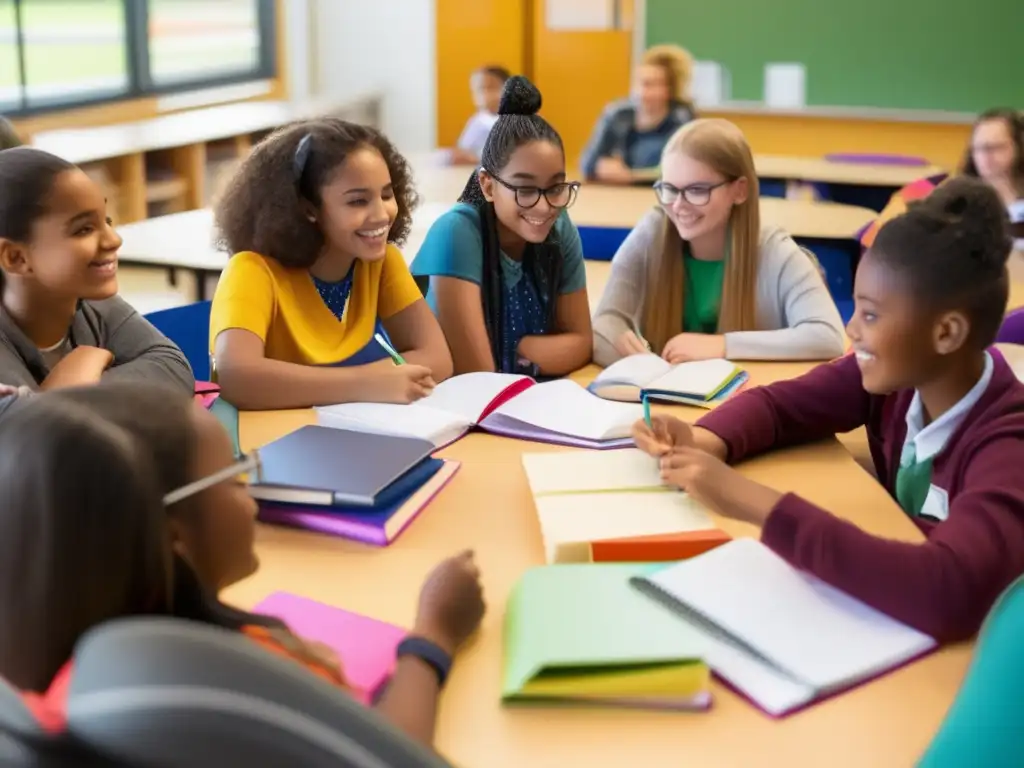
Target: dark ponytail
x=518, y=123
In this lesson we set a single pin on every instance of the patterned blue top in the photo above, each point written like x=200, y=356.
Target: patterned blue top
x=335, y=295
x=454, y=248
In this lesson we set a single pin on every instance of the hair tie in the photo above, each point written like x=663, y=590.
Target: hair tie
x=302, y=156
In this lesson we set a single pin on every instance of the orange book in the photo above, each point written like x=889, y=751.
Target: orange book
x=659, y=548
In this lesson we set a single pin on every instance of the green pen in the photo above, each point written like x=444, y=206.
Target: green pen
x=397, y=358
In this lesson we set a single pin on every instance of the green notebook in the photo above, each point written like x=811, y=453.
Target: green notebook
x=581, y=632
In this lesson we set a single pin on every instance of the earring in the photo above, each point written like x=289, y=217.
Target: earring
x=312, y=219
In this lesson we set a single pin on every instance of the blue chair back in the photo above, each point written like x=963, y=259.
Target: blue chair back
x=189, y=328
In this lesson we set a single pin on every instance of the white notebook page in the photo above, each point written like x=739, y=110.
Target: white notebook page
x=701, y=377
x=470, y=393
x=566, y=408
x=591, y=471
x=415, y=420
x=818, y=635
x=637, y=370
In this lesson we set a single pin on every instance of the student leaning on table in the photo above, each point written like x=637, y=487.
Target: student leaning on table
x=61, y=321
x=944, y=417
x=505, y=265
x=210, y=518
x=700, y=277
x=311, y=217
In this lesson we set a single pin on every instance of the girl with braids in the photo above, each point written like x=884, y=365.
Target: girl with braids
x=312, y=218
x=505, y=265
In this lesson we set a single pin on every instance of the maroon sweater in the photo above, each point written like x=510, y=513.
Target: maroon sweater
x=943, y=586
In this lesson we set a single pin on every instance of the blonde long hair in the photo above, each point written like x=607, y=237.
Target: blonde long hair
x=720, y=145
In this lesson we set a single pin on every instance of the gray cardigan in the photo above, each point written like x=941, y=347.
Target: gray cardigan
x=796, y=316
x=141, y=352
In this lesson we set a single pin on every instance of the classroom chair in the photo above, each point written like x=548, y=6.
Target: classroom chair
x=189, y=328
x=166, y=692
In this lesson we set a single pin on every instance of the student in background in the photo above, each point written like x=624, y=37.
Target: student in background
x=995, y=154
x=8, y=136
x=631, y=134
x=982, y=727
x=700, y=277
x=944, y=418
x=61, y=321
x=506, y=271
x=486, y=85
x=82, y=535
x=211, y=520
x=311, y=217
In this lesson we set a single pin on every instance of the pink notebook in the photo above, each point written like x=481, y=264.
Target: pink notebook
x=365, y=646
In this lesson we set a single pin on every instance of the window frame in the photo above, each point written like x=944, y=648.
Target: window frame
x=137, y=63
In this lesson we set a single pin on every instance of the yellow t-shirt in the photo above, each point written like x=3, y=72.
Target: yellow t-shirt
x=282, y=306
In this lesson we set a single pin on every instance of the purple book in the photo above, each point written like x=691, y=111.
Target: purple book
x=377, y=526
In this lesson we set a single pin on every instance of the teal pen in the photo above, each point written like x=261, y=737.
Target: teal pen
x=647, y=410
x=398, y=359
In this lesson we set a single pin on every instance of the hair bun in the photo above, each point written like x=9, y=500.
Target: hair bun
x=972, y=211
x=519, y=97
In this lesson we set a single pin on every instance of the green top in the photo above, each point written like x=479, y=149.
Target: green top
x=983, y=726
x=913, y=480
x=702, y=297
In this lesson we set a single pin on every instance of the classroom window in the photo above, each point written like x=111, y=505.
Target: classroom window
x=66, y=53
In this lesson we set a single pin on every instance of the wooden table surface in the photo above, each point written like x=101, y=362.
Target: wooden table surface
x=488, y=507
x=858, y=174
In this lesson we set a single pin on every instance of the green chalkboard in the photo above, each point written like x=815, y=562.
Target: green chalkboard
x=962, y=56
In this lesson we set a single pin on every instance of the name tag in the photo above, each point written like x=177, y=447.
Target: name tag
x=936, y=504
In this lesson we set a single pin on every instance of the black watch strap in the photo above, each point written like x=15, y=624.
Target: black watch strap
x=428, y=652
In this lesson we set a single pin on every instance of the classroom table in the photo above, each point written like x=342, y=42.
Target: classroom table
x=831, y=172
x=487, y=507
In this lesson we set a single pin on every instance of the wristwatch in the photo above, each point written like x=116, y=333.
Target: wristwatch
x=430, y=653
x=526, y=367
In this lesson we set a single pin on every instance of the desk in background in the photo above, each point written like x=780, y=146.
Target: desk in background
x=488, y=507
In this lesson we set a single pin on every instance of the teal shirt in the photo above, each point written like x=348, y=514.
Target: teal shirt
x=983, y=727
x=702, y=296
x=454, y=248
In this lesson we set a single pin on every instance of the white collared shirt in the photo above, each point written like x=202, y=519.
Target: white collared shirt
x=928, y=441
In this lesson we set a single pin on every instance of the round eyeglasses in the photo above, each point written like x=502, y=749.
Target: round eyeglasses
x=695, y=194
x=560, y=195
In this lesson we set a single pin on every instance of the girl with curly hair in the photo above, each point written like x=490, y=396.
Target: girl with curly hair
x=313, y=217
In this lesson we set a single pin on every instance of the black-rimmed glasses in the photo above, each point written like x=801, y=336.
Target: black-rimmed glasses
x=247, y=464
x=695, y=194
x=560, y=195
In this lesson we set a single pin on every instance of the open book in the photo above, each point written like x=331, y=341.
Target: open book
x=580, y=632
x=504, y=404
x=781, y=637
x=614, y=506
x=701, y=383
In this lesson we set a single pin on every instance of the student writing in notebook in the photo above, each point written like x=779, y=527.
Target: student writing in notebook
x=505, y=265
x=211, y=519
x=944, y=417
x=61, y=320
x=311, y=217
x=700, y=277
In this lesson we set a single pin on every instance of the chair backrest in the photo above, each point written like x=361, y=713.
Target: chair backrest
x=140, y=685
x=189, y=328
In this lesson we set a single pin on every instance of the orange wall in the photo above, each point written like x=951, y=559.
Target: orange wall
x=578, y=73
x=470, y=34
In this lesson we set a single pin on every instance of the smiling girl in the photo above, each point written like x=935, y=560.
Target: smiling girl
x=311, y=217
x=944, y=418
x=700, y=277
x=61, y=321
x=505, y=265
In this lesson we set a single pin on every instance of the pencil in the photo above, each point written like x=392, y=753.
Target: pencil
x=398, y=359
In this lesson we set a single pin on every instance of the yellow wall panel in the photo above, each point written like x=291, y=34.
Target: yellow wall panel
x=470, y=34
x=578, y=73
